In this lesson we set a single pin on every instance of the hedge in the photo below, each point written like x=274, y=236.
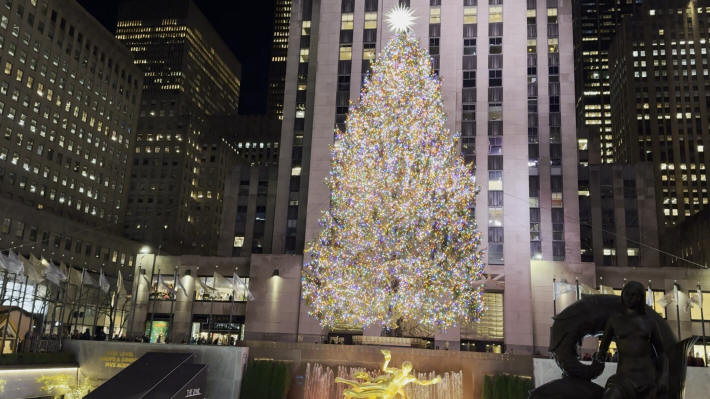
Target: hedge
x=266, y=379
x=505, y=386
x=37, y=358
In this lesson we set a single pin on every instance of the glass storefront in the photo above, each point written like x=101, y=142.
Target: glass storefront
x=216, y=330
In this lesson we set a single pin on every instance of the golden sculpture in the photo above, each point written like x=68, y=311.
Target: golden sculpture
x=386, y=386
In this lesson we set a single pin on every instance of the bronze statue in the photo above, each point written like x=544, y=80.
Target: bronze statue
x=642, y=372
x=385, y=386
x=652, y=363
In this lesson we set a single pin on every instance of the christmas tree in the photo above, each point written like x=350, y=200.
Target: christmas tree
x=399, y=243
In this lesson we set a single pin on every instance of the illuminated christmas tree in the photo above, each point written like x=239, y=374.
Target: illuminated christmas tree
x=399, y=244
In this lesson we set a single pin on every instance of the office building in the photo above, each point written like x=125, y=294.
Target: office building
x=279, y=51
x=493, y=69
x=176, y=191
x=250, y=186
x=659, y=95
x=69, y=98
x=622, y=206
x=595, y=23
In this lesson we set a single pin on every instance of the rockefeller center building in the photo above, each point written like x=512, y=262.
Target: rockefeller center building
x=508, y=87
x=69, y=98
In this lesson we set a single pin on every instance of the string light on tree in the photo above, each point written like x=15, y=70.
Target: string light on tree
x=399, y=243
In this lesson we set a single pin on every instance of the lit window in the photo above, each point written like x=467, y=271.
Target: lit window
x=238, y=241
x=470, y=15
x=346, y=21
x=434, y=16
x=346, y=53
x=370, y=20
x=495, y=14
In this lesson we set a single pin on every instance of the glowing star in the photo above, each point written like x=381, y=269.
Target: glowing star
x=400, y=19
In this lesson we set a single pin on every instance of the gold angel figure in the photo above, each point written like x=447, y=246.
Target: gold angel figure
x=386, y=386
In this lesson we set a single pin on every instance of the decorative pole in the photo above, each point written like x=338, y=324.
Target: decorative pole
x=579, y=294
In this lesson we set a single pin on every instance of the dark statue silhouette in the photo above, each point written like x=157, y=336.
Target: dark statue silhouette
x=652, y=363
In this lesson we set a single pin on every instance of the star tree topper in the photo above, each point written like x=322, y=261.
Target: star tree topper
x=401, y=19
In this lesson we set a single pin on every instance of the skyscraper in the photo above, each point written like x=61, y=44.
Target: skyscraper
x=279, y=51
x=69, y=97
x=498, y=60
x=660, y=90
x=177, y=180
x=595, y=24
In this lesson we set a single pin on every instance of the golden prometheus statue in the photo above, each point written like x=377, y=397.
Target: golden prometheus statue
x=386, y=386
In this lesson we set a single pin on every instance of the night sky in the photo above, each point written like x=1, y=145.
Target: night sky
x=245, y=26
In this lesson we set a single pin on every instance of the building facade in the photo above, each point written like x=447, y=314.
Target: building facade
x=595, y=23
x=659, y=94
x=497, y=61
x=250, y=188
x=279, y=52
x=621, y=203
x=69, y=98
x=177, y=181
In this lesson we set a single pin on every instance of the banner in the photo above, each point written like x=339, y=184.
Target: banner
x=238, y=283
x=221, y=283
x=11, y=263
x=103, y=282
x=561, y=288
x=179, y=286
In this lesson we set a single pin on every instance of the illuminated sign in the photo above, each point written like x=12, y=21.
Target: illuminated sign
x=117, y=359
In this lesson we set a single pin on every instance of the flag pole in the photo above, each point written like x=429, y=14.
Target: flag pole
x=702, y=322
x=173, y=297
x=554, y=296
x=4, y=287
x=9, y=308
x=43, y=319
x=32, y=318
x=579, y=294
x=152, y=312
x=209, y=324
x=134, y=296
x=192, y=307
x=98, y=304
x=61, y=312
x=74, y=311
x=231, y=306
x=677, y=306
x=19, y=320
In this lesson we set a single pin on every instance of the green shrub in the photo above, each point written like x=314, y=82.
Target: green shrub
x=487, y=390
x=506, y=386
x=266, y=379
x=37, y=358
